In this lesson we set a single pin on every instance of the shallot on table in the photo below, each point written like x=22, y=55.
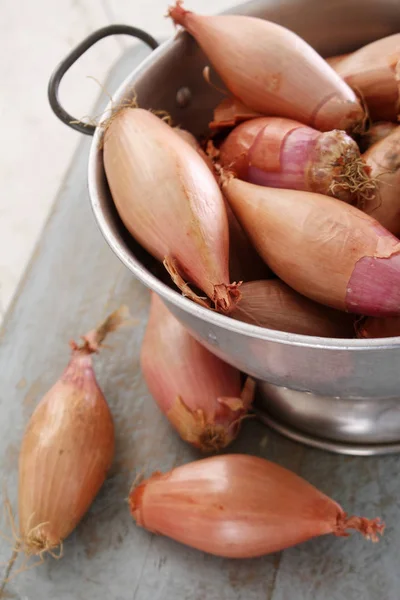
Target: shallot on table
x=202, y=396
x=240, y=506
x=67, y=449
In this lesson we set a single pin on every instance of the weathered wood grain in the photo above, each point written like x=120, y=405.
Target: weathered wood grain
x=73, y=281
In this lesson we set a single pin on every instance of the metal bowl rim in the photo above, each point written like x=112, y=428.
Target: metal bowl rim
x=172, y=296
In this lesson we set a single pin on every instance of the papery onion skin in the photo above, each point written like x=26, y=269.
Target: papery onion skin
x=170, y=202
x=274, y=305
x=200, y=394
x=325, y=249
x=67, y=449
x=374, y=72
x=230, y=112
x=272, y=70
x=373, y=327
x=283, y=153
x=239, y=506
x=383, y=159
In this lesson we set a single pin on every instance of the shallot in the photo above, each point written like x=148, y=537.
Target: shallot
x=272, y=70
x=200, y=394
x=274, y=305
x=372, y=327
x=325, y=249
x=374, y=72
x=335, y=60
x=244, y=262
x=67, y=449
x=240, y=506
x=376, y=133
x=283, y=153
x=383, y=159
x=191, y=140
x=170, y=202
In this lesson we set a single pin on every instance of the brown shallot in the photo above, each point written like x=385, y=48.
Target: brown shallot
x=200, y=394
x=170, y=202
x=374, y=72
x=282, y=153
x=372, y=327
x=383, y=159
x=272, y=70
x=325, y=249
x=240, y=506
x=274, y=305
x=377, y=132
x=67, y=449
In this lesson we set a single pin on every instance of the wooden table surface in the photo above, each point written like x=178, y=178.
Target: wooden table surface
x=73, y=281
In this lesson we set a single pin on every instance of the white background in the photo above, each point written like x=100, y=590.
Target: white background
x=36, y=148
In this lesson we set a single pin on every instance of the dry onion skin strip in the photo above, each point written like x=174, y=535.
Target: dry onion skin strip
x=202, y=396
x=272, y=70
x=170, y=202
x=230, y=112
x=239, y=506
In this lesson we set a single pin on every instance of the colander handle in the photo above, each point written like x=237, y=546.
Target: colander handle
x=73, y=56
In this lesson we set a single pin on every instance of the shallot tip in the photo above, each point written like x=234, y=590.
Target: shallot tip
x=369, y=528
x=226, y=296
x=225, y=175
x=239, y=506
x=92, y=341
x=177, y=13
x=194, y=428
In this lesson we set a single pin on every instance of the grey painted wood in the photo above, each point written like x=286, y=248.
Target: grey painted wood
x=73, y=281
